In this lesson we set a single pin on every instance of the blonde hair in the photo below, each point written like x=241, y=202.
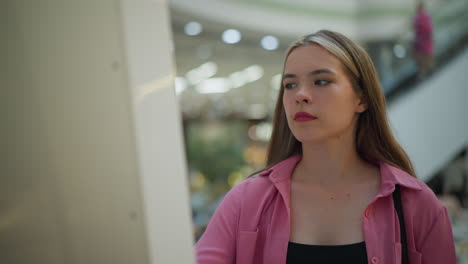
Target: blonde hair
x=374, y=139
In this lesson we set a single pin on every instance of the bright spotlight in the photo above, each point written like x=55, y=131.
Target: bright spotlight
x=231, y=36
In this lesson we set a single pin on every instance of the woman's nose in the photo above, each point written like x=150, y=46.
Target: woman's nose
x=302, y=96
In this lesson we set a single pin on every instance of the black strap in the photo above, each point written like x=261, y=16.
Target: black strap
x=399, y=210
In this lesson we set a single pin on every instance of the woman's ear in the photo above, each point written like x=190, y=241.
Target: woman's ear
x=362, y=105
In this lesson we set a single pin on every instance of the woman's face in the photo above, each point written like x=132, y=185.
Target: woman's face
x=318, y=97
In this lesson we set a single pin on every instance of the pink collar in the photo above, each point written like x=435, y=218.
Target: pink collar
x=280, y=175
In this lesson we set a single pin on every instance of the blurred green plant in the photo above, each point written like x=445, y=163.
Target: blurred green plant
x=216, y=149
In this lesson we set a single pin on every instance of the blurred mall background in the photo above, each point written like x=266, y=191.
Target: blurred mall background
x=229, y=57
x=125, y=122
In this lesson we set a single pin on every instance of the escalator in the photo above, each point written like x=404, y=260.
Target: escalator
x=430, y=116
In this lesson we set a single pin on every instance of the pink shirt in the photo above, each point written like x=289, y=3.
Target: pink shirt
x=252, y=223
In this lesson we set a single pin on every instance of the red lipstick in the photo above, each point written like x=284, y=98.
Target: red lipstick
x=304, y=117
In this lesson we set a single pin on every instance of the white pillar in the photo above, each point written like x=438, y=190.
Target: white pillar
x=151, y=67
x=92, y=165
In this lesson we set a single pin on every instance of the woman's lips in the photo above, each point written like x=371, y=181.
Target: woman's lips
x=304, y=117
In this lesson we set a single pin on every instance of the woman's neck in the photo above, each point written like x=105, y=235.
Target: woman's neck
x=330, y=162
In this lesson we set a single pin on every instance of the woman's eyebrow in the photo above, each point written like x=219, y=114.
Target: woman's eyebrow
x=321, y=71
x=289, y=75
x=314, y=72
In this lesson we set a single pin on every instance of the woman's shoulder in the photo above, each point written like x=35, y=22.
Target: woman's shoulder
x=424, y=197
x=423, y=206
x=256, y=188
x=254, y=183
x=416, y=195
x=426, y=217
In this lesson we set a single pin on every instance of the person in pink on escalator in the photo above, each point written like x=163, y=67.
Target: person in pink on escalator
x=423, y=41
x=337, y=188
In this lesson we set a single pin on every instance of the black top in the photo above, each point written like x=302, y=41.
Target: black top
x=349, y=254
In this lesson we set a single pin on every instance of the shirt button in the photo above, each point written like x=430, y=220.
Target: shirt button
x=367, y=213
x=375, y=260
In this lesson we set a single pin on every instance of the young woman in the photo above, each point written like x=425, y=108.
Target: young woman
x=333, y=166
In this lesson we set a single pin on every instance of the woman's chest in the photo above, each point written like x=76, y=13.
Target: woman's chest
x=266, y=240
x=330, y=218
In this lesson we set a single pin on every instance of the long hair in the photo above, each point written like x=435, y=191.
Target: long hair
x=374, y=140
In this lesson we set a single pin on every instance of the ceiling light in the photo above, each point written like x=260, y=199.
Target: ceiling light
x=231, y=36
x=399, y=51
x=254, y=72
x=214, y=85
x=202, y=72
x=270, y=43
x=193, y=28
x=208, y=69
x=237, y=79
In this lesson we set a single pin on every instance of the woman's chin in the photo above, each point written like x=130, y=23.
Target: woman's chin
x=309, y=139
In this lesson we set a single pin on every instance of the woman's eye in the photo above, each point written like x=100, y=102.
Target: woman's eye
x=321, y=82
x=289, y=85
